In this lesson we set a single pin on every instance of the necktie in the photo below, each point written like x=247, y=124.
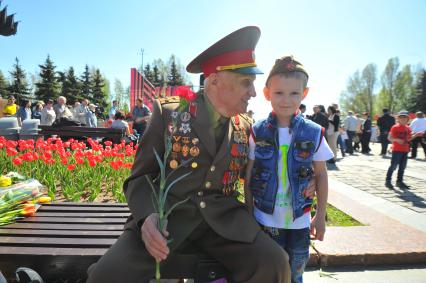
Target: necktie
x=219, y=130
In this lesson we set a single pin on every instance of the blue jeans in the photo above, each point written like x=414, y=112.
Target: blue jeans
x=296, y=243
x=399, y=159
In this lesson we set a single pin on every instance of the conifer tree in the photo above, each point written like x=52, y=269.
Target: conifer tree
x=48, y=86
x=70, y=86
x=86, y=84
x=157, y=79
x=4, y=86
x=419, y=99
x=19, y=85
x=98, y=83
x=148, y=73
x=174, y=78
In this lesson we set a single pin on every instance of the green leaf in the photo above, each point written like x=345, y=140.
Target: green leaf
x=163, y=200
x=174, y=206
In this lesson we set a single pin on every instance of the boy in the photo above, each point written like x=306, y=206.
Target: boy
x=285, y=151
x=400, y=137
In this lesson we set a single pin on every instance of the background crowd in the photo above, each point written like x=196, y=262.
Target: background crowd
x=354, y=131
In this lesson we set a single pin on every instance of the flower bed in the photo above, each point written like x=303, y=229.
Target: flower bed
x=71, y=170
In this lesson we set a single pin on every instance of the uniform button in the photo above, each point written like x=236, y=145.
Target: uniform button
x=202, y=204
x=200, y=193
x=208, y=185
x=212, y=168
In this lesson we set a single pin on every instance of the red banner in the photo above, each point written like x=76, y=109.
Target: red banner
x=140, y=88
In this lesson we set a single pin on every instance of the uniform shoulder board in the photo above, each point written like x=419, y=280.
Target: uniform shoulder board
x=169, y=99
x=247, y=118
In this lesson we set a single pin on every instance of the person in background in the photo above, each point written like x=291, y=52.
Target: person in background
x=418, y=127
x=82, y=112
x=3, y=103
x=120, y=123
x=357, y=138
x=333, y=131
x=74, y=110
x=48, y=115
x=113, y=110
x=399, y=136
x=92, y=120
x=340, y=140
x=302, y=109
x=350, y=124
x=140, y=116
x=24, y=112
x=385, y=123
x=366, y=134
x=319, y=117
x=61, y=109
x=10, y=108
x=37, y=111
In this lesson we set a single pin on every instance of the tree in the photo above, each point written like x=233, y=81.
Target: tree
x=98, y=83
x=404, y=88
x=148, y=73
x=369, y=76
x=4, y=86
x=119, y=93
x=388, y=83
x=353, y=98
x=162, y=70
x=174, y=76
x=419, y=100
x=157, y=79
x=48, y=86
x=70, y=87
x=19, y=85
x=86, y=83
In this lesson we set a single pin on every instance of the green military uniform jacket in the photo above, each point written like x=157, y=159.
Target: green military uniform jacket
x=224, y=213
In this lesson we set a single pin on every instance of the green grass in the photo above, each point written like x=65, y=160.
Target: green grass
x=337, y=217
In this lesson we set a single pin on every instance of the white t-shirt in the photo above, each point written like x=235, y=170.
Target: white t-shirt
x=418, y=125
x=283, y=212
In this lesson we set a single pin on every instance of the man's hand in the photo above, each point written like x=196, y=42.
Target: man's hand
x=309, y=191
x=318, y=228
x=154, y=241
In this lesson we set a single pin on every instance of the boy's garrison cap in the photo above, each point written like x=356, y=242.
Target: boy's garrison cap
x=234, y=52
x=286, y=64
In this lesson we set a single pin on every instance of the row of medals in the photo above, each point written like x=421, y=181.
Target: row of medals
x=239, y=152
x=187, y=147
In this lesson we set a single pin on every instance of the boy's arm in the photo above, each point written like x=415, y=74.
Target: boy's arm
x=247, y=193
x=318, y=221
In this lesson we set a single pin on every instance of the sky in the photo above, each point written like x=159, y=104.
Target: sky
x=332, y=38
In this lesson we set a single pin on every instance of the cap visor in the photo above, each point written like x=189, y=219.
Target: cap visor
x=248, y=71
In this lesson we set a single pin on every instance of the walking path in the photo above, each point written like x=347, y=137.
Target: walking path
x=394, y=219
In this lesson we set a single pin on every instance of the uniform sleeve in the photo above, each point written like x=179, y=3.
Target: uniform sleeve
x=136, y=188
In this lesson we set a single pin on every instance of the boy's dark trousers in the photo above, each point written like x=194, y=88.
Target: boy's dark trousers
x=399, y=159
x=384, y=141
x=414, y=144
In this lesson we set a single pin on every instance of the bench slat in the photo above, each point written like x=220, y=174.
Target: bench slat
x=83, y=214
x=56, y=242
x=95, y=204
x=66, y=220
x=58, y=226
x=58, y=233
x=8, y=251
x=83, y=209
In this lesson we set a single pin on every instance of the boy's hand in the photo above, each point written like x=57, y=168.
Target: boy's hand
x=309, y=191
x=318, y=228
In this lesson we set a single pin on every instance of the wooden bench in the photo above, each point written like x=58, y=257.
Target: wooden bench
x=115, y=135
x=63, y=239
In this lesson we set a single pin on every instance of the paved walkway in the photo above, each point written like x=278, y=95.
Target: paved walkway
x=395, y=220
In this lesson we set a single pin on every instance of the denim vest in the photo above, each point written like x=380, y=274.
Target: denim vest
x=305, y=140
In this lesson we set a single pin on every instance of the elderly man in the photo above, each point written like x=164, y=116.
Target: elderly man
x=61, y=109
x=350, y=124
x=385, y=123
x=210, y=140
x=418, y=127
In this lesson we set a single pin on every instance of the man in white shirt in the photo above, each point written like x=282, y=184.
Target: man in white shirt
x=418, y=128
x=113, y=109
x=82, y=112
x=350, y=124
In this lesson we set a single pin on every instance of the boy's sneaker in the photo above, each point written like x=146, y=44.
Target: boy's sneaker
x=402, y=185
x=388, y=184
